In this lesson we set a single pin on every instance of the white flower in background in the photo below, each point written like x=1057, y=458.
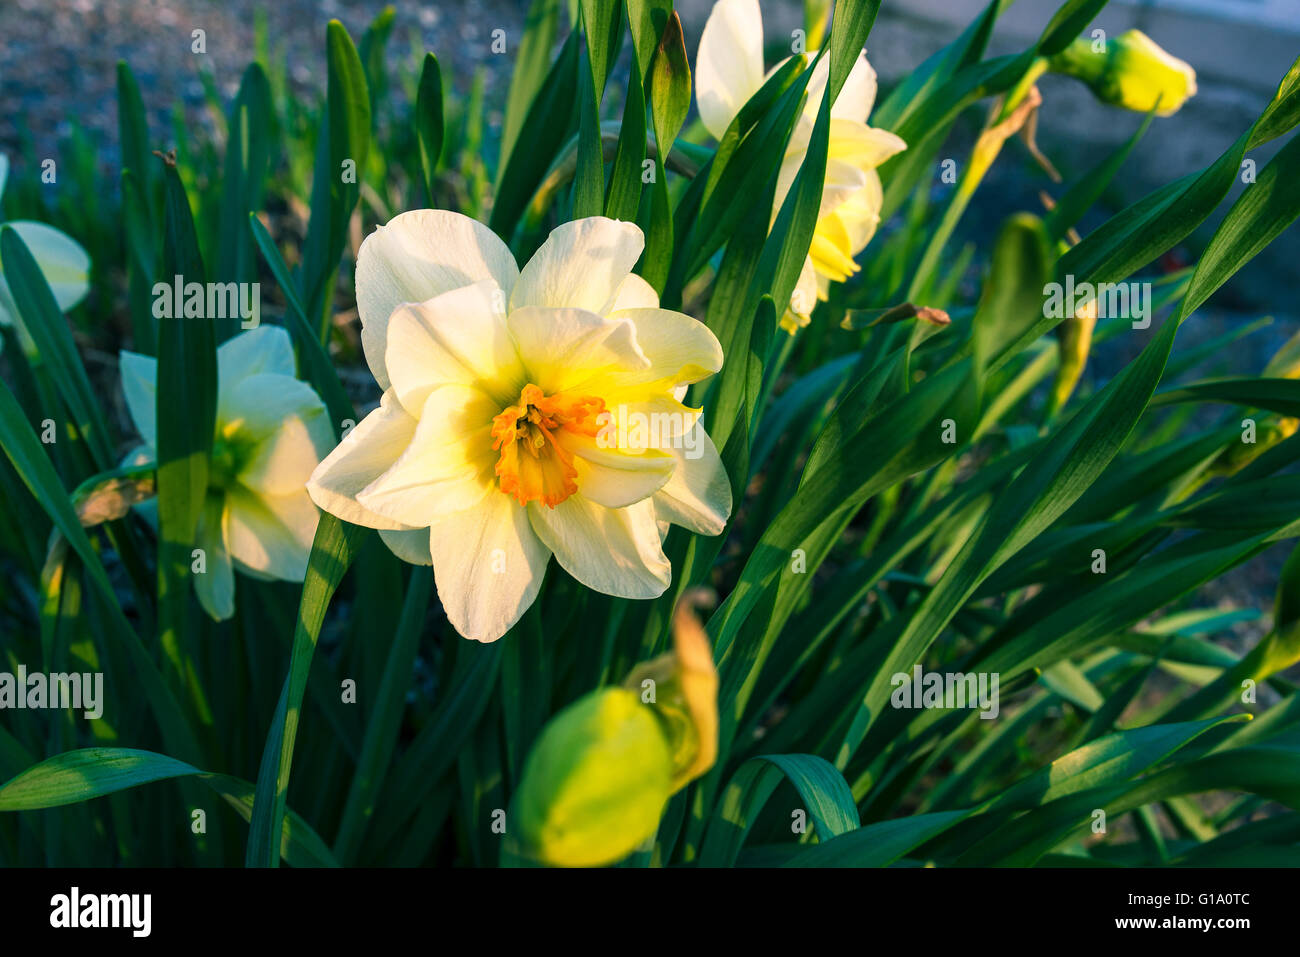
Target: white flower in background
x=63, y=262
x=729, y=70
x=272, y=431
x=488, y=452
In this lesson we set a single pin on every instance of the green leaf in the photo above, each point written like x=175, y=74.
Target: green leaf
x=332, y=553
x=83, y=775
x=649, y=20
x=1067, y=23
x=385, y=719
x=624, y=194
x=528, y=76
x=589, y=179
x=603, y=28
x=1078, y=199
x=247, y=160
x=549, y=124
x=341, y=154
x=40, y=317
x=849, y=28
x=29, y=460
x=1012, y=296
x=318, y=367
x=429, y=121
x=878, y=844
x=829, y=803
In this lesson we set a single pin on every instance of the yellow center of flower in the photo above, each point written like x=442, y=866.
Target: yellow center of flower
x=534, y=466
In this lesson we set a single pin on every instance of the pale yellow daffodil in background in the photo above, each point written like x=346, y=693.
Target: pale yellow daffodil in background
x=63, y=263
x=272, y=431
x=729, y=70
x=493, y=446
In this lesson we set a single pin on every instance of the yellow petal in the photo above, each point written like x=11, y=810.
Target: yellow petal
x=613, y=475
x=562, y=349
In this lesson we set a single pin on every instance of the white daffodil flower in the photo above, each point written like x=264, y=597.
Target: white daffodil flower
x=729, y=70
x=271, y=433
x=503, y=433
x=63, y=262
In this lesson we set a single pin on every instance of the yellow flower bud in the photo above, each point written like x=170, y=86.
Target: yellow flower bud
x=1131, y=71
x=595, y=783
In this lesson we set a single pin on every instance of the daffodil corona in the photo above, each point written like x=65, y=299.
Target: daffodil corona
x=729, y=70
x=493, y=446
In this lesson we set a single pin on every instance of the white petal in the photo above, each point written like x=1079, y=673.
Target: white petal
x=257, y=406
x=447, y=467
x=858, y=94
x=215, y=588
x=419, y=255
x=458, y=337
x=678, y=347
x=410, y=546
x=284, y=461
x=698, y=495
x=488, y=565
x=804, y=298
x=616, y=551
x=366, y=452
x=139, y=386
x=260, y=351
x=563, y=348
x=635, y=293
x=271, y=536
x=63, y=262
x=729, y=65
x=617, y=475
x=862, y=145
x=581, y=265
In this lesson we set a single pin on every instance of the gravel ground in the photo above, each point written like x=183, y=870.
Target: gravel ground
x=58, y=57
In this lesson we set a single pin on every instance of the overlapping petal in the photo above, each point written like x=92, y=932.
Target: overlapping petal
x=458, y=337
x=615, y=551
x=367, y=451
x=419, y=255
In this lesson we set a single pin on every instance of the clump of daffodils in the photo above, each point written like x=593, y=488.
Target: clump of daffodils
x=595, y=784
x=525, y=413
x=1131, y=71
x=729, y=70
x=271, y=433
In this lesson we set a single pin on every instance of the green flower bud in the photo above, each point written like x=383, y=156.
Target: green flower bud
x=1131, y=71
x=595, y=783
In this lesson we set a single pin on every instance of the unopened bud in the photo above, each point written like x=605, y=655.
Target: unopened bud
x=1132, y=71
